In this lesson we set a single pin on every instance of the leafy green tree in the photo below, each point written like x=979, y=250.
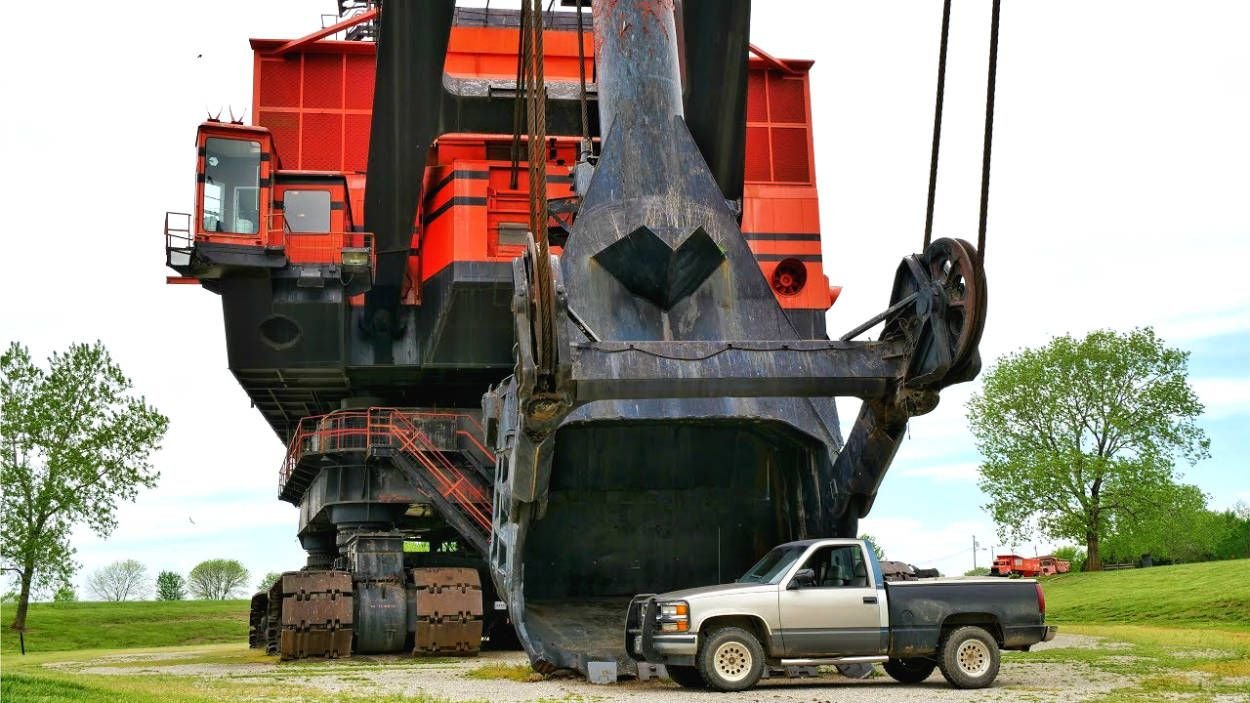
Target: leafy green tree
x=268, y=581
x=1075, y=556
x=876, y=548
x=64, y=594
x=1081, y=435
x=120, y=581
x=74, y=442
x=170, y=586
x=979, y=571
x=1232, y=533
x=217, y=579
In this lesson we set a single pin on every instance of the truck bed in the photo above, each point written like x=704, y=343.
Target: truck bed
x=921, y=610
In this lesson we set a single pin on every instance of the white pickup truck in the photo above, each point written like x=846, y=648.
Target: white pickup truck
x=824, y=601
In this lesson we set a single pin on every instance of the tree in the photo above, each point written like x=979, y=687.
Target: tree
x=217, y=579
x=74, y=442
x=1081, y=435
x=64, y=594
x=1075, y=556
x=119, y=581
x=876, y=548
x=170, y=586
x=268, y=581
x=979, y=571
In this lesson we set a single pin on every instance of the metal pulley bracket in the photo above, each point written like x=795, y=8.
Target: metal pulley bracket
x=937, y=306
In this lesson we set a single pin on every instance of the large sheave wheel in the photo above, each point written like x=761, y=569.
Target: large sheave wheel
x=969, y=658
x=686, y=676
x=912, y=670
x=731, y=659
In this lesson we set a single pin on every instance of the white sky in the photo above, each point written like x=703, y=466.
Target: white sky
x=1120, y=197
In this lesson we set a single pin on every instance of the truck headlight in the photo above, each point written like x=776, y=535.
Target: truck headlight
x=673, y=616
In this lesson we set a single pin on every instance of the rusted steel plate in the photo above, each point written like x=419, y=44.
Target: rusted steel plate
x=455, y=638
x=317, y=609
x=327, y=643
x=448, y=611
x=446, y=577
x=295, y=583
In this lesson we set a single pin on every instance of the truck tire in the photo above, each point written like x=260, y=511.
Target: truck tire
x=731, y=659
x=686, y=676
x=913, y=670
x=969, y=658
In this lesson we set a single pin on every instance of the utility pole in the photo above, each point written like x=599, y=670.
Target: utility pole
x=974, y=552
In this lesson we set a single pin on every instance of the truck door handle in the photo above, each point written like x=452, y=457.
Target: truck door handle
x=870, y=599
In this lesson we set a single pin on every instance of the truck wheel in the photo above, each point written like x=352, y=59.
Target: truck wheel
x=731, y=659
x=912, y=670
x=686, y=676
x=969, y=658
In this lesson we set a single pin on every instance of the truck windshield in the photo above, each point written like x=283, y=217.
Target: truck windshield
x=774, y=564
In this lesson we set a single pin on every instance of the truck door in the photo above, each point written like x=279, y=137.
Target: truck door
x=840, y=615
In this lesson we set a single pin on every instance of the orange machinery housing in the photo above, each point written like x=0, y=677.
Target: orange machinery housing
x=1008, y=564
x=279, y=212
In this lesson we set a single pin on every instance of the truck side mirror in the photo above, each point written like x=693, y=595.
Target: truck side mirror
x=803, y=578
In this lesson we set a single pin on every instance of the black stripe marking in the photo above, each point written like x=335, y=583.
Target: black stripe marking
x=452, y=202
x=466, y=174
x=336, y=205
x=309, y=180
x=782, y=236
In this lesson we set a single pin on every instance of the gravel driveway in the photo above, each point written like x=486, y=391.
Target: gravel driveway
x=1061, y=683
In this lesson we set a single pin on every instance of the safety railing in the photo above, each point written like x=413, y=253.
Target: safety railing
x=425, y=437
x=317, y=247
x=179, y=241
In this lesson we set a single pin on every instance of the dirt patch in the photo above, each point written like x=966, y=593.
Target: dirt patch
x=403, y=676
x=1067, y=641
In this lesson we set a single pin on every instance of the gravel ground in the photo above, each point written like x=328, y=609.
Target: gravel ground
x=400, y=675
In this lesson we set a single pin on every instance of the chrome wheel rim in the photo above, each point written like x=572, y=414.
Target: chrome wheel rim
x=732, y=661
x=973, y=657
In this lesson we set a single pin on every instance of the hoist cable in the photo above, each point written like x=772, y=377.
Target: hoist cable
x=989, y=131
x=937, y=122
x=581, y=74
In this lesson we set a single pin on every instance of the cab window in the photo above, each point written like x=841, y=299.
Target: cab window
x=306, y=210
x=231, y=186
x=838, y=567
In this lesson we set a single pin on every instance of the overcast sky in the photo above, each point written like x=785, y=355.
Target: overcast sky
x=1120, y=197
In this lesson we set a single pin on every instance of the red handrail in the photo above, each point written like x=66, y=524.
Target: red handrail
x=361, y=429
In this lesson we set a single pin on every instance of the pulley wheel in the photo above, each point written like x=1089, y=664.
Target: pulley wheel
x=956, y=268
x=946, y=315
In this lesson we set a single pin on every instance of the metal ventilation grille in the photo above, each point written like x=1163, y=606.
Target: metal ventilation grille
x=778, y=148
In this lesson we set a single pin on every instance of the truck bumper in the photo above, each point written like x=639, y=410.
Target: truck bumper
x=643, y=643
x=1049, y=633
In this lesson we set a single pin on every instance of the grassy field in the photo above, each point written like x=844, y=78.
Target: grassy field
x=1175, y=632
x=1213, y=594
x=55, y=627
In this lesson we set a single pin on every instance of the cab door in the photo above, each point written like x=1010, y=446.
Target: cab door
x=840, y=613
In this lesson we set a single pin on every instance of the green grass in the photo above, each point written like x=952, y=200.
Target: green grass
x=1183, y=631
x=54, y=627
x=1211, y=594
x=510, y=672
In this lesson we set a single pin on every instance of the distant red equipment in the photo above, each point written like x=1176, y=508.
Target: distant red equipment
x=1008, y=564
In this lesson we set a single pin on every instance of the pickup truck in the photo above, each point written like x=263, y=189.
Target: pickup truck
x=824, y=601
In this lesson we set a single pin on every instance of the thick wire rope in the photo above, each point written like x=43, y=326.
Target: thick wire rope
x=937, y=123
x=989, y=131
